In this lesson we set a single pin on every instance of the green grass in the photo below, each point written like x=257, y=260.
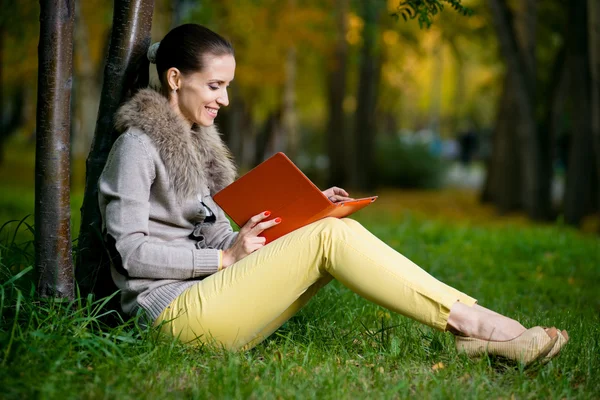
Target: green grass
x=339, y=345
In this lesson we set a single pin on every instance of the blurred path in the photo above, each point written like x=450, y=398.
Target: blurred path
x=459, y=205
x=473, y=178
x=459, y=176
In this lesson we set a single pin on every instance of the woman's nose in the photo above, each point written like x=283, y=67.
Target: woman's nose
x=223, y=99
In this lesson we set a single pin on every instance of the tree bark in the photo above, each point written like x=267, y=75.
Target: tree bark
x=370, y=66
x=594, y=51
x=3, y=132
x=337, y=137
x=520, y=62
x=53, y=255
x=503, y=183
x=126, y=71
x=86, y=90
x=289, y=115
x=580, y=173
x=459, y=92
x=555, y=106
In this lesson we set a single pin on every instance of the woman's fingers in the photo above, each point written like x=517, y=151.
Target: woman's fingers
x=338, y=198
x=336, y=194
x=253, y=243
x=340, y=192
x=260, y=227
x=255, y=220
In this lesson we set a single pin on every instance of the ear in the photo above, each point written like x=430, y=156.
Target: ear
x=174, y=78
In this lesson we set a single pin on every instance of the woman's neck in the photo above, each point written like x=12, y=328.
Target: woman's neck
x=174, y=104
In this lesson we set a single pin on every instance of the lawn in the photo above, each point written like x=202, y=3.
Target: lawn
x=339, y=346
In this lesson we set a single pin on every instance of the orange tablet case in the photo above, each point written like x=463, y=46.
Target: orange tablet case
x=279, y=186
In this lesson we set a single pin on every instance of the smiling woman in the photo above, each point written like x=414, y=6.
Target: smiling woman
x=176, y=257
x=195, y=67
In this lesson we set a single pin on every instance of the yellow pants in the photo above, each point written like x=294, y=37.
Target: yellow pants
x=240, y=306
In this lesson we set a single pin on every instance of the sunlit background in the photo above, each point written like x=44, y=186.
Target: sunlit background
x=426, y=101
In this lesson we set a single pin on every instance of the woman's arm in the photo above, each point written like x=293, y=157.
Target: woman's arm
x=124, y=190
x=220, y=235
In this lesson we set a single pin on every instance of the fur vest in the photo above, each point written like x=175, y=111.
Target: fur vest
x=193, y=158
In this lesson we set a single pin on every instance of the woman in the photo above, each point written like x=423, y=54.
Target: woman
x=179, y=260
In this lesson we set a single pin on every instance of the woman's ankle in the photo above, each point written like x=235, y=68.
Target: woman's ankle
x=481, y=323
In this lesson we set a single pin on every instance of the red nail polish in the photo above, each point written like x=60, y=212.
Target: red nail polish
x=267, y=213
x=277, y=220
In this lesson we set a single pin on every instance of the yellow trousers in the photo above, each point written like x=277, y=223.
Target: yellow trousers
x=240, y=306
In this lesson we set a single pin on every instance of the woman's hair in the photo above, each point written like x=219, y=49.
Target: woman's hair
x=184, y=48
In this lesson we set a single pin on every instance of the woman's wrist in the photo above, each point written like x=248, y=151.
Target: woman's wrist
x=226, y=259
x=220, y=267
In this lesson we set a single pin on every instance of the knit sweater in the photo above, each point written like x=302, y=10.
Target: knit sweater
x=155, y=196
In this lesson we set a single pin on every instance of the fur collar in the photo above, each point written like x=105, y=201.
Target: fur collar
x=193, y=158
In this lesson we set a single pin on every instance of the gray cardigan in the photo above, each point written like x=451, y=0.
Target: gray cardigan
x=167, y=238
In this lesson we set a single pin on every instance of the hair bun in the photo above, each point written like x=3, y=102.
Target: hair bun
x=152, y=50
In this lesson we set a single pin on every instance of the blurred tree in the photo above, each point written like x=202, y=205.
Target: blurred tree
x=594, y=46
x=126, y=70
x=518, y=49
x=581, y=183
x=289, y=115
x=53, y=256
x=504, y=181
x=86, y=93
x=3, y=125
x=555, y=95
x=18, y=67
x=337, y=135
x=370, y=71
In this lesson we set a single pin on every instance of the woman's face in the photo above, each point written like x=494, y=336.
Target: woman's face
x=201, y=94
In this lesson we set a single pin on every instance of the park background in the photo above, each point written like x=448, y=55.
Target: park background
x=477, y=134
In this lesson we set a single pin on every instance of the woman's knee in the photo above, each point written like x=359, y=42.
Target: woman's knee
x=352, y=224
x=332, y=225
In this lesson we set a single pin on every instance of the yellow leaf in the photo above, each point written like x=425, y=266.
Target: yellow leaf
x=437, y=366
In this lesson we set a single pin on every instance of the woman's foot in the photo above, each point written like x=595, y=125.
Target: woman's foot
x=532, y=345
x=480, y=323
x=479, y=331
x=563, y=338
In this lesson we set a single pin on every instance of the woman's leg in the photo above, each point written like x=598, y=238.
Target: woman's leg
x=465, y=319
x=234, y=306
x=289, y=312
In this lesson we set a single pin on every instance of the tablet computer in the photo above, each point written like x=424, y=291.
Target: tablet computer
x=279, y=186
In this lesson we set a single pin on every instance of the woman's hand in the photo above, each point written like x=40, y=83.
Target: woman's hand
x=336, y=194
x=248, y=240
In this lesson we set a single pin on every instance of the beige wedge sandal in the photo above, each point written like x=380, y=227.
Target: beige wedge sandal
x=532, y=345
x=563, y=338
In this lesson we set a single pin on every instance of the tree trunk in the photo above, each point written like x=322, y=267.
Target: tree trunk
x=337, y=137
x=289, y=116
x=594, y=52
x=503, y=183
x=3, y=132
x=53, y=256
x=580, y=172
x=551, y=128
x=520, y=61
x=460, y=91
x=370, y=66
x=126, y=70
x=86, y=91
